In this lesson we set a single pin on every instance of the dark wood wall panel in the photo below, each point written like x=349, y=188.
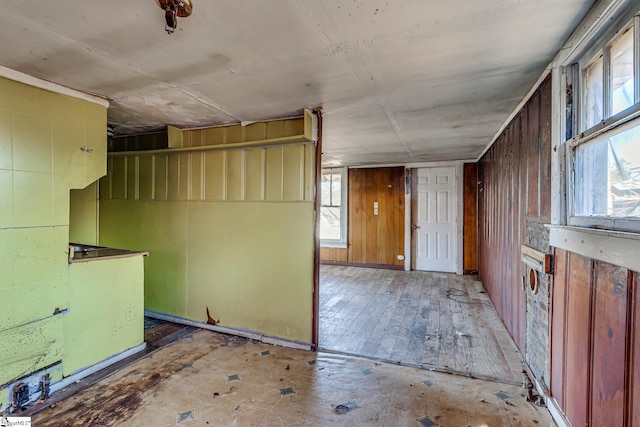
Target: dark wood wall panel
x=609, y=344
x=514, y=188
x=558, y=315
x=634, y=369
x=470, y=230
x=578, y=339
x=545, y=147
x=376, y=239
x=595, y=375
x=333, y=254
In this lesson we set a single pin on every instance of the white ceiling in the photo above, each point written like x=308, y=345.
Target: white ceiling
x=399, y=80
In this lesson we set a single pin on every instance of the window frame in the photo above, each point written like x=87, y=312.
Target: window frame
x=342, y=241
x=629, y=117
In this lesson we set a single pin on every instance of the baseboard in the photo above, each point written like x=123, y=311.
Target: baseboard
x=83, y=373
x=257, y=336
x=552, y=404
x=363, y=265
x=32, y=380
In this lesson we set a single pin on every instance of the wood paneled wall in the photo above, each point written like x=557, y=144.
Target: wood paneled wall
x=470, y=230
x=333, y=254
x=514, y=188
x=376, y=239
x=595, y=363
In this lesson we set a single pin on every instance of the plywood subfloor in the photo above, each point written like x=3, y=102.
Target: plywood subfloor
x=209, y=379
x=417, y=318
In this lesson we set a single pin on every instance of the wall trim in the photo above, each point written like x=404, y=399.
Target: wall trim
x=257, y=336
x=615, y=247
x=362, y=265
x=51, y=87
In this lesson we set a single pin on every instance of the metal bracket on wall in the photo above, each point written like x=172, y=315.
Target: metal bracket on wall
x=537, y=260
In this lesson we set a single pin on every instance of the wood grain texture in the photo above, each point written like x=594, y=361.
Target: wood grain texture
x=558, y=331
x=376, y=239
x=470, y=226
x=634, y=360
x=513, y=188
x=333, y=254
x=415, y=317
x=578, y=344
x=609, y=345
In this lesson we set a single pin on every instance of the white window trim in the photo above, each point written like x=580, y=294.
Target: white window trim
x=628, y=118
x=599, y=46
x=604, y=19
x=344, y=223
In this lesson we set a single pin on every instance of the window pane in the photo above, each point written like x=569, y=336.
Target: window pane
x=325, y=190
x=622, y=72
x=608, y=175
x=330, y=223
x=594, y=93
x=336, y=189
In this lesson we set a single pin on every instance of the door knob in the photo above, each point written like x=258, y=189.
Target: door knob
x=415, y=227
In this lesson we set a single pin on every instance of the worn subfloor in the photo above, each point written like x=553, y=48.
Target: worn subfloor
x=416, y=318
x=210, y=379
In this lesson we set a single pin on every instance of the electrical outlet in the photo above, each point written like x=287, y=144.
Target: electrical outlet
x=128, y=314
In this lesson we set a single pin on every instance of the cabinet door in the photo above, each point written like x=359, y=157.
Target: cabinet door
x=95, y=141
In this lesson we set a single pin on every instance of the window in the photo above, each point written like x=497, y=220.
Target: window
x=605, y=158
x=622, y=81
x=333, y=207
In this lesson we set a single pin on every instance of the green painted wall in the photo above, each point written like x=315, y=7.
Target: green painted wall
x=41, y=160
x=107, y=311
x=83, y=215
x=231, y=229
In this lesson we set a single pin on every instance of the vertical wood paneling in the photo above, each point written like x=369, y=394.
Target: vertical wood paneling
x=609, y=345
x=309, y=179
x=510, y=192
x=634, y=360
x=160, y=178
x=533, y=163
x=545, y=147
x=132, y=178
x=173, y=177
x=281, y=173
x=235, y=175
x=197, y=161
x=470, y=226
x=333, y=254
x=595, y=375
x=376, y=239
x=255, y=174
x=578, y=339
x=293, y=174
x=145, y=177
x=119, y=180
x=274, y=174
x=215, y=174
x=558, y=332
x=184, y=182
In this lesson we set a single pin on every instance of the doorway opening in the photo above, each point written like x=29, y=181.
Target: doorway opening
x=371, y=307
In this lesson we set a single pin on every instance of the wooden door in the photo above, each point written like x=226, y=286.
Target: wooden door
x=376, y=216
x=434, y=223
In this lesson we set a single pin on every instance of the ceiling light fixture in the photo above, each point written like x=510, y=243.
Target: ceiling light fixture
x=174, y=9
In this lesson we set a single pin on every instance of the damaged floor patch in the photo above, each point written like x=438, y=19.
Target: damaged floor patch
x=335, y=391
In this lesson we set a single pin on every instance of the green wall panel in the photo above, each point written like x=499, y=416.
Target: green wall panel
x=41, y=160
x=94, y=332
x=250, y=263
x=245, y=250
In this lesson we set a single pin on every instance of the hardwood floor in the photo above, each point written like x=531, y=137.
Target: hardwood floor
x=416, y=318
